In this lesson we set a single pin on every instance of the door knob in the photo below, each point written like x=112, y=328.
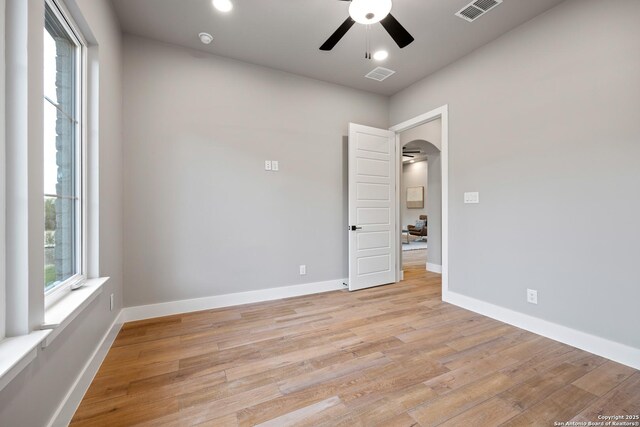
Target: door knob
x=354, y=228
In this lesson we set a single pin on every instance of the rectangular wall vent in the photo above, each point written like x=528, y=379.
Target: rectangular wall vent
x=379, y=74
x=476, y=9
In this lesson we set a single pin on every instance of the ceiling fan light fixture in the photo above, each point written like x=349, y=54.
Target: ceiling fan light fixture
x=223, y=5
x=369, y=11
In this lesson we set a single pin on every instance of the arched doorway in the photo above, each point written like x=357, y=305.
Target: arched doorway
x=421, y=175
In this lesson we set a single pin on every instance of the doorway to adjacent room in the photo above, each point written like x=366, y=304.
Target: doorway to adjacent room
x=422, y=192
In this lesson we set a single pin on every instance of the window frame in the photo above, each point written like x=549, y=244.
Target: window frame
x=77, y=280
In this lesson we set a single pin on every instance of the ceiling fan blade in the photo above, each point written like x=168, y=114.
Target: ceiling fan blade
x=407, y=155
x=411, y=151
x=396, y=31
x=338, y=34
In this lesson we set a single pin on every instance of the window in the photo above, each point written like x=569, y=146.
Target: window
x=63, y=152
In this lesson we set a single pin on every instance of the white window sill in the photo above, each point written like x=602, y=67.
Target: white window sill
x=60, y=314
x=16, y=354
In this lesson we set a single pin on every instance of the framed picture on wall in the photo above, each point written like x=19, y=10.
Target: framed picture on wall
x=415, y=197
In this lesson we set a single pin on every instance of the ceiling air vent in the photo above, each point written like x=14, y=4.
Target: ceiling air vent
x=379, y=74
x=476, y=9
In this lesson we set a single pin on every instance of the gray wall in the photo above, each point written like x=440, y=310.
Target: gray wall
x=202, y=216
x=33, y=396
x=413, y=175
x=430, y=132
x=545, y=123
x=2, y=166
x=434, y=208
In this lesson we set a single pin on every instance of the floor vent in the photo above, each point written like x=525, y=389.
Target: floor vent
x=379, y=74
x=476, y=9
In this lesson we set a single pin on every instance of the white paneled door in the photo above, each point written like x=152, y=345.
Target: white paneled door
x=372, y=210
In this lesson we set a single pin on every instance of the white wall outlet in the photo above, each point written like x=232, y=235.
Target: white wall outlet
x=532, y=296
x=472, y=197
x=267, y=165
x=275, y=166
x=303, y=270
x=111, y=303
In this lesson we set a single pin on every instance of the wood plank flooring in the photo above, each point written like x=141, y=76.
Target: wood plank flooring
x=414, y=259
x=389, y=356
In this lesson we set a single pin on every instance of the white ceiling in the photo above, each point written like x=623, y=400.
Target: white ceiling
x=286, y=34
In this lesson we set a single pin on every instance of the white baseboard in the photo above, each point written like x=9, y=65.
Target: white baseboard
x=72, y=399
x=612, y=350
x=434, y=268
x=207, y=303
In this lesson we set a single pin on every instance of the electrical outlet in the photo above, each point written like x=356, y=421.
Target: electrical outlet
x=275, y=166
x=267, y=165
x=532, y=296
x=303, y=270
x=111, y=303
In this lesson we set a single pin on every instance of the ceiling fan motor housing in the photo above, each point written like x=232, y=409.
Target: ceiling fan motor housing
x=369, y=11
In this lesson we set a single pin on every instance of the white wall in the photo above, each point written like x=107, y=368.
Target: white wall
x=202, y=217
x=34, y=395
x=413, y=175
x=545, y=123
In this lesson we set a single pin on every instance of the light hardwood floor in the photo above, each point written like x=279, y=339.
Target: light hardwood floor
x=390, y=356
x=414, y=259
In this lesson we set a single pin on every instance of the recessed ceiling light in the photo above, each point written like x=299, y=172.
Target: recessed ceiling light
x=205, y=38
x=381, y=55
x=412, y=161
x=223, y=5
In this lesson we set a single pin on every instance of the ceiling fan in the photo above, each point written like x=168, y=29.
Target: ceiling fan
x=370, y=12
x=407, y=152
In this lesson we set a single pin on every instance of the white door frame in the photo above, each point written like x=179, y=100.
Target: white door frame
x=443, y=114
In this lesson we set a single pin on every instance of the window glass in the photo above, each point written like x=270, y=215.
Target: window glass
x=61, y=153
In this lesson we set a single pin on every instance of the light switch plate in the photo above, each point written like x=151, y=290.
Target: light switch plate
x=267, y=165
x=472, y=197
x=275, y=166
x=303, y=270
